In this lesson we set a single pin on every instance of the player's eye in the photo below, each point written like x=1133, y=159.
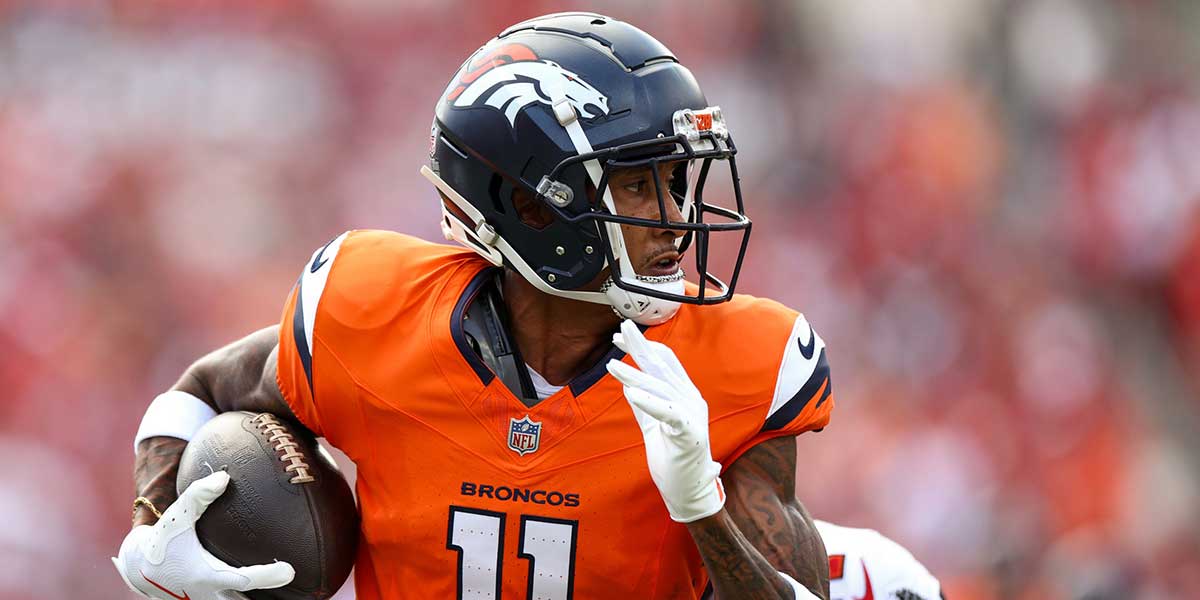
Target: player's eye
x=635, y=187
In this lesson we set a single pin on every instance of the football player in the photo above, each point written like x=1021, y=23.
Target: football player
x=864, y=565
x=556, y=411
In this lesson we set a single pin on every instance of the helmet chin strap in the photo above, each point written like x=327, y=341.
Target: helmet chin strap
x=640, y=308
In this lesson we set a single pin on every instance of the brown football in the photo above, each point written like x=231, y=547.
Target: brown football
x=286, y=501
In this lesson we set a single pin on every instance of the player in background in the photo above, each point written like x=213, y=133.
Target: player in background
x=554, y=411
x=865, y=565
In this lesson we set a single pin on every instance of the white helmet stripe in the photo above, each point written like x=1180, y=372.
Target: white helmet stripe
x=569, y=119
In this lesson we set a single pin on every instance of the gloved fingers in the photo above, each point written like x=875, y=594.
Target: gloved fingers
x=195, y=500
x=656, y=358
x=619, y=341
x=645, y=421
x=676, y=373
x=657, y=408
x=627, y=375
x=639, y=349
x=222, y=575
x=263, y=577
x=638, y=401
x=632, y=377
x=630, y=334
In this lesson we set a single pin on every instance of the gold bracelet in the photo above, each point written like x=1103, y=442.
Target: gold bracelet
x=144, y=501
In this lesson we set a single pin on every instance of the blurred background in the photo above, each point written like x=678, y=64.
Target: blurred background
x=989, y=208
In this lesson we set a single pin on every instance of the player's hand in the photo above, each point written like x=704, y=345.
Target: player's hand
x=674, y=421
x=166, y=560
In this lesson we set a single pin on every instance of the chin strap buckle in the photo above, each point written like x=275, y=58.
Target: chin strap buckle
x=487, y=234
x=564, y=112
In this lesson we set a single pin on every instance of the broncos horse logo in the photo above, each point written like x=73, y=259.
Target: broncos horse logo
x=511, y=77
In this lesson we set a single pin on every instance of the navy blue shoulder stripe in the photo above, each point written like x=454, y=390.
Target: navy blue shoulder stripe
x=476, y=284
x=298, y=335
x=793, y=407
x=588, y=378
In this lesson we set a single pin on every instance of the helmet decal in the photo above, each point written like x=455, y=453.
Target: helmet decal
x=511, y=77
x=478, y=66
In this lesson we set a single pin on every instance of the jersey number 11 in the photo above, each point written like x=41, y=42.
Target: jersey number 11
x=478, y=537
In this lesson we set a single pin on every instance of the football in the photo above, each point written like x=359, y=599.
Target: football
x=286, y=501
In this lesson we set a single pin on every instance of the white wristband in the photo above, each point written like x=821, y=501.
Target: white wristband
x=174, y=414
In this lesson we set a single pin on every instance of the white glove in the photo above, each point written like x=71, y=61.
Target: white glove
x=674, y=421
x=166, y=560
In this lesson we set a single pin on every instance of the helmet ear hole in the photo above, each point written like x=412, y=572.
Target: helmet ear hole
x=531, y=212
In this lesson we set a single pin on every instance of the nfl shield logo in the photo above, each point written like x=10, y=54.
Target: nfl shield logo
x=523, y=435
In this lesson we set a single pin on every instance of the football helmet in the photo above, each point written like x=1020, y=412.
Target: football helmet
x=547, y=111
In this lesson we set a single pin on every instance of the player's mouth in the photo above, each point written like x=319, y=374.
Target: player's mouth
x=664, y=264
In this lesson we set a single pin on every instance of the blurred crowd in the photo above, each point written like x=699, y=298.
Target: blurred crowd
x=990, y=209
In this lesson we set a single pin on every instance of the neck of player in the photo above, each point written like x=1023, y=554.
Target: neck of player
x=558, y=337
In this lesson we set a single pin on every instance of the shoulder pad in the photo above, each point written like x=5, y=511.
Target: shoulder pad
x=312, y=287
x=803, y=372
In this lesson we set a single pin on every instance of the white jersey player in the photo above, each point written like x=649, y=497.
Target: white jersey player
x=864, y=565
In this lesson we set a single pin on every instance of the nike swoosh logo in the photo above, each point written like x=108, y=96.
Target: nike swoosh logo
x=869, y=595
x=318, y=261
x=807, y=351
x=165, y=590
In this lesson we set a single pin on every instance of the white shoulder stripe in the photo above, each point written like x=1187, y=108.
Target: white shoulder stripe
x=312, y=283
x=800, y=359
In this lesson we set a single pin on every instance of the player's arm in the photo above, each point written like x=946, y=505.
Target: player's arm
x=756, y=546
x=166, y=560
x=163, y=558
x=239, y=376
x=763, y=530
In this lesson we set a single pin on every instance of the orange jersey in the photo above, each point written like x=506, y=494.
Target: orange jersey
x=467, y=493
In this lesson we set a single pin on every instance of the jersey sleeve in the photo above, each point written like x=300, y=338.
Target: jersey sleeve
x=864, y=562
x=297, y=339
x=802, y=395
x=897, y=572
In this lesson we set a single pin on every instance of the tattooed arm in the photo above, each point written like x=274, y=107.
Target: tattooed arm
x=762, y=530
x=240, y=376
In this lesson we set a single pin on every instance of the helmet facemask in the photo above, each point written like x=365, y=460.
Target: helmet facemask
x=695, y=154
x=700, y=145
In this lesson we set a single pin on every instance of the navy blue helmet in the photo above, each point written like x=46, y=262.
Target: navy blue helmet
x=545, y=112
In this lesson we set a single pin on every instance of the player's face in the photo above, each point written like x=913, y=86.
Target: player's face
x=651, y=250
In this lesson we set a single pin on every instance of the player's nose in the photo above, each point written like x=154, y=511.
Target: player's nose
x=668, y=211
